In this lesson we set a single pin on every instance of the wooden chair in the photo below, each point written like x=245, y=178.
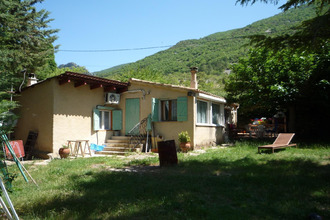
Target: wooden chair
x=282, y=141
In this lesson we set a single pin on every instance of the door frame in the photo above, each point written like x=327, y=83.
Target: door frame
x=130, y=117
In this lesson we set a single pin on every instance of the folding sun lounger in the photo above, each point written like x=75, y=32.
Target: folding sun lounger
x=282, y=141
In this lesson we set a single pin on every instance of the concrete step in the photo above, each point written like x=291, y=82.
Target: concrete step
x=110, y=141
x=119, y=145
x=114, y=144
x=120, y=138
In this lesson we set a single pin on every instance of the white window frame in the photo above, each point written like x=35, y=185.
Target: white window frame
x=209, y=113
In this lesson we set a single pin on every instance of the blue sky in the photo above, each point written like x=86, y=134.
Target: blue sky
x=130, y=24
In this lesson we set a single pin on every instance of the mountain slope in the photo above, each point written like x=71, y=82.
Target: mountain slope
x=212, y=54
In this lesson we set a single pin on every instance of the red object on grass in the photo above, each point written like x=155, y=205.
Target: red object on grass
x=18, y=148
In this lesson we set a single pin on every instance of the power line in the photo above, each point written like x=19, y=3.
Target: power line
x=114, y=50
x=208, y=39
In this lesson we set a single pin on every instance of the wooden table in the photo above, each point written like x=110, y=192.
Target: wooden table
x=78, y=144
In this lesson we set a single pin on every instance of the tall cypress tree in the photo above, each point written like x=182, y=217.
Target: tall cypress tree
x=25, y=44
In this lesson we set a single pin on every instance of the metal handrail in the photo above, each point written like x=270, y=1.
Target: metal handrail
x=138, y=133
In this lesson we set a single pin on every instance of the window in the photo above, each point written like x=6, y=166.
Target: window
x=215, y=114
x=107, y=119
x=202, y=112
x=168, y=110
x=210, y=113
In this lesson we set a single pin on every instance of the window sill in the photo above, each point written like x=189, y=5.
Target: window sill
x=208, y=125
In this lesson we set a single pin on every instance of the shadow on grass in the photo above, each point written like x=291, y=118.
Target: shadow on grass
x=241, y=189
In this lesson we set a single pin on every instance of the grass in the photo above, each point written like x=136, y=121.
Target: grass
x=223, y=183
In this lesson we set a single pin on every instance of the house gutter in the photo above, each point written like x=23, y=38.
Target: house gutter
x=211, y=98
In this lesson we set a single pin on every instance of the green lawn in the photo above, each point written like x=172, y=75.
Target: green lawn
x=223, y=183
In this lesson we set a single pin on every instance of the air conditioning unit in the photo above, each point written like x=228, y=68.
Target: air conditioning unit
x=112, y=98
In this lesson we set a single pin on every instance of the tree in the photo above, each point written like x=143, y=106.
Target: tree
x=50, y=71
x=288, y=72
x=25, y=44
x=312, y=34
x=291, y=81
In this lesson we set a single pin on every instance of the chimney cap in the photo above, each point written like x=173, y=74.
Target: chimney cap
x=32, y=75
x=194, y=68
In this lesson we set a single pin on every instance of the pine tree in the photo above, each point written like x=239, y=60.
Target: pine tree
x=25, y=44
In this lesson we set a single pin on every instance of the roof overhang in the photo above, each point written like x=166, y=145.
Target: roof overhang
x=94, y=82
x=210, y=98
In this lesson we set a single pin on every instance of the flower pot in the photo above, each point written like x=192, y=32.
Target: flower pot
x=64, y=152
x=185, y=147
x=154, y=150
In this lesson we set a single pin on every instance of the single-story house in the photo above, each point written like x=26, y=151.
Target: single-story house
x=78, y=106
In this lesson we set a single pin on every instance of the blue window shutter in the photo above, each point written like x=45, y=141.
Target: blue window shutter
x=182, y=108
x=117, y=120
x=96, y=119
x=155, y=109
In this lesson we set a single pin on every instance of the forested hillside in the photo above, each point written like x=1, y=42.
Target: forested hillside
x=212, y=54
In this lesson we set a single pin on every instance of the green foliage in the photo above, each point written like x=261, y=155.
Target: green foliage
x=268, y=81
x=65, y=146
x=292, y=73
x=25, y=45
x=271, y=79
x=25, y=39
x=41, y=75
x=7, y=118
x=143, y=74
x=184, y=137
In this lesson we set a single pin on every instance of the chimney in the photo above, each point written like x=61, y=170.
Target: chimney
x=193, y=82
x=32, y=79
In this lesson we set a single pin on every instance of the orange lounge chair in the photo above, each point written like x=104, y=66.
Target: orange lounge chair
x=282, y=141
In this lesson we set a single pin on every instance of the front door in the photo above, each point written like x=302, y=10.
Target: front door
x=132, y=114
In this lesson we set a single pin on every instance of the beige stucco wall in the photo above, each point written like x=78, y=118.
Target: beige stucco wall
x=73, y=112
x=208, y=135
x=36, y=114
x=200, y=135
x=59, y=113
x=168, y=130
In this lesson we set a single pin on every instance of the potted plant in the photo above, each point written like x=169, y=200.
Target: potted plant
x=64, y=151
x=184, y=140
